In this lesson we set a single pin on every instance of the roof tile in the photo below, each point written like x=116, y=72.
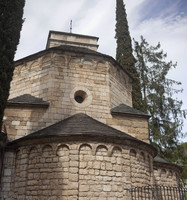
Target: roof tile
x=124, y=109
x=27, y=99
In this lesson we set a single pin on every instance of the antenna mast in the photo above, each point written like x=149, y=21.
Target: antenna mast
x=71, y=26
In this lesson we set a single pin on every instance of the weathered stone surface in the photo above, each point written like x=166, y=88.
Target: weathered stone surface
x=104, y=84
x=90, y=174
x=75, y=80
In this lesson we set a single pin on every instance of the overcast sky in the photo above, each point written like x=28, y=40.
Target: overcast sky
x=163, y=21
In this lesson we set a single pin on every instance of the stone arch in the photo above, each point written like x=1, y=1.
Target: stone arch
x=59, y=59
x=32, y=152
x=116, y=151
x=85, y=157
x=63, y=165
x=100, y=63
x=63, y=152
x=86, y=164
x=116, y=161
x=144, y=168
x=170, y=174
x=47, y=151
x=62, y=146
x=132, y=153
x=75, y=59
x=33, y=168
x=50, y=173
x=33, y=64
x=87, y=61
x=103, y=169
x=45, y=59
x=85, y=146
x=102, y=150
x=163, y=173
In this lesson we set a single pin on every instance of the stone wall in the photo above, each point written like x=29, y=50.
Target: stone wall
x=8, y=174
x=141, y=168
x=57, y=78
x=166, y=176
x=75, y=171
x=132, y=125
x=20, y=121
x=120, y=87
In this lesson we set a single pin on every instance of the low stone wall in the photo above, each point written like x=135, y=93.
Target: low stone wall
x=165, y=175
x=75, y=171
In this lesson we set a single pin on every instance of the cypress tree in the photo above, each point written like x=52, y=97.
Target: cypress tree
x=124, y=53
x=11, y=13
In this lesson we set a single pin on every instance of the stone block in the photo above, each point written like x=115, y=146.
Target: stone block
x=83, y=188
x=73, y=177
x=7, y=172
x=16, y=123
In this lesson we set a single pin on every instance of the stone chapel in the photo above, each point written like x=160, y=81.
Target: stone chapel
x=72, y=131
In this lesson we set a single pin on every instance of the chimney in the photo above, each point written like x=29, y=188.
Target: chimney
x=57, y=38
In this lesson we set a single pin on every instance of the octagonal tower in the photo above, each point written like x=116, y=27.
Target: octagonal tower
x=63, y=80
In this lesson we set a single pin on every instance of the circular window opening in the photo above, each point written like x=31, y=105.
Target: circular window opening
x=80, y=96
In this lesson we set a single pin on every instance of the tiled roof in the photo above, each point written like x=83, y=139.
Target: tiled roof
x=27, y=99
x=161, y=160
x=158, y=160
x=80, y=125
x=124, y=109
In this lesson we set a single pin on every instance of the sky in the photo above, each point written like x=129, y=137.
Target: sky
x=163, y=21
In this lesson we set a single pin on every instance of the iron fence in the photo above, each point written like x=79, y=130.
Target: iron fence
x=158, y=193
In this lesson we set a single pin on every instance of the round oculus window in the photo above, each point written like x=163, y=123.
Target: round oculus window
x=80, y=96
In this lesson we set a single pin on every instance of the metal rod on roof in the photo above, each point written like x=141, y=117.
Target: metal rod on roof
x=71, y=26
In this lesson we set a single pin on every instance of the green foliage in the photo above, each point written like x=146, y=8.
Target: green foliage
x=166, y=120
x=11, y=12
x=182, y=160
x=124, y=53
x=178, y=155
